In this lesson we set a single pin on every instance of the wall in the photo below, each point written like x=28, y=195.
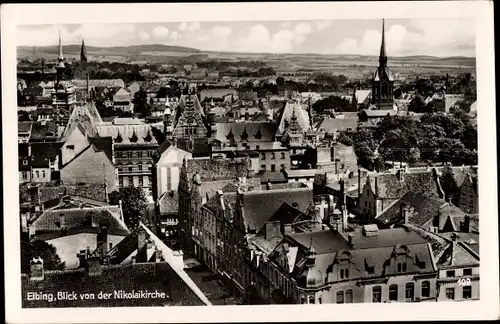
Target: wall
x=90, y=167
x=266, y=160
x=168, y=169
x=401, y=281
x=40, y=175
x=445, y=282
x=68, y=246
x=78, y=140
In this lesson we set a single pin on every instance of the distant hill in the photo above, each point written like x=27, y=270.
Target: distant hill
x=114, y=50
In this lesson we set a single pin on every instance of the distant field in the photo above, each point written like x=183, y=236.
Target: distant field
x=166, y=54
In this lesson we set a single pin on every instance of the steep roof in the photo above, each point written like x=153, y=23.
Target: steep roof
x=46, y=149
x=458, y=254
x=256, y=131
x=169, y=203
x=389, y=185
x=102, y=144
x=329, y=124
x=79, y=217
x=42, y=130
x=217, y=169
x=300, y=112
x=127, y=132
x=260, y=206
x=423, y=209
x=386, y=237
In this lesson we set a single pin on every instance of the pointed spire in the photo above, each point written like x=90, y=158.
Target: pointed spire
x=83, y=52
x=60, y=56
x=383, y=56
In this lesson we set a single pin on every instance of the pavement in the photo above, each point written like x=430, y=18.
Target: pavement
x=211, y=286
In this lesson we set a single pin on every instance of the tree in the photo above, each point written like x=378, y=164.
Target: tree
x=333, y=102
x=344, y=139
x=280, y=81
x=449, y=186
x=42, y=249
x=133, y=202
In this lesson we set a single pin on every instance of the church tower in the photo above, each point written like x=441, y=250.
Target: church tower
x=63, y=93
x=383, y=81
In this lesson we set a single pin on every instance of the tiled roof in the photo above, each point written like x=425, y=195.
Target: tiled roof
x=256, y=131
x=95, y=192
x=40, y=162
x=260, y=206
x=375, y=113
x=423, y=209
x=24, y=127
x=127, y=121
x=217, y=169
x=458, y=255
x=79, y=217
x=272, y=177
x=322, y=241
x=337, y=124
x=286, y=214
x=40, y=131
x=388, y=185
x=23, y=149
x=386, y=237
x=127, y=132
x=169, y=203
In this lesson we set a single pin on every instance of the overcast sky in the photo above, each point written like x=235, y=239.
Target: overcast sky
x=438, y=37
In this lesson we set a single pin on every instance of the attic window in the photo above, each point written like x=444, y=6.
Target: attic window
x=258, y=135
x=148, y=137
x=244, y=135
x=118, y=138
x=134, y=138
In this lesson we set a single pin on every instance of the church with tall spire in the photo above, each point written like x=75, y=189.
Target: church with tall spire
x=382, y=81
x=63, y=93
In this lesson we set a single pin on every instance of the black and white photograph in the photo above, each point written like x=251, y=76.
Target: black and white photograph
x=251, y=160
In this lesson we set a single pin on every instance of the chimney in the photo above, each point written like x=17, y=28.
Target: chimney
x=350, y=237
x=405, y=214
x=82, y=258
x=273, y=229
x=36, y=267
x=141, y=245
x=359, y=183
x=466, y=224
x=401, y=175
x=104, y=239
x=158, y=255
x=62, y=222
x=287, y=229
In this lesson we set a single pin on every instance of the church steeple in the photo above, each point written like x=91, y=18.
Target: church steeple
x=60, y=56
x=83, y=53
x=383, y=57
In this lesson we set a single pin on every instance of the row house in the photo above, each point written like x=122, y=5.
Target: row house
x=234, y=216
x=133, y=150
x=322, y=267
x=39, y=162
x=199, y=180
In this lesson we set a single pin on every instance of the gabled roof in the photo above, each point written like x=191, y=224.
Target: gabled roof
x=260, y=206
x=79, y=217
x=46, y=149
x=423, y=209
x=169, y=203
x=102, y=144
x=458, y=254
x=329, y=124
x=257, y=131
x=389, y=185
x=322, y=241
x=300, y=112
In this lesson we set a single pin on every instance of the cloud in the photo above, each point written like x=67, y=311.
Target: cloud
x=174, y=35
x=301, y=31
x=221, y=31
x=322, y=24
x=160, y=31
x=144, y=36
x=182, y=26
x=429, y=37
x=95, y=34
x=258, y=39
x=193, y=26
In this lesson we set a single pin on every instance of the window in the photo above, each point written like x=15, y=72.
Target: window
x=120, y=181
x=43, y=174
x=110, y=246
x=467, y=292
x=410, y=291
x=311, y=299
x=273, y=167
x=139, y=154
x=273, y=156
x=340, y=297
x=426, y=289
x=25, y=162
x=129, y=169
x=348, y=296
x=257, y=147
x=25, y=175
x=404, y=267
x=341, y=273
x=450, y=273
x=263, y=167
x=37, y=174
x=346, y=273
x=377, y=294
x=140, y=167
x=131, y=181
x=129, y=155
x=70, y=147
x=302, y=300
x=283, y=155
x=450, y=293
x=393, y=292
x=141, y=181
x=467, y=272
x=263, y=156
